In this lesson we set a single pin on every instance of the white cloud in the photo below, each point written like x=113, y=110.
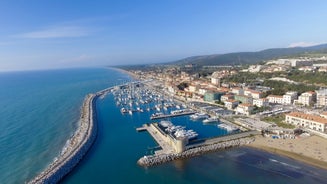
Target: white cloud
x=57, y=32
x=303, y=44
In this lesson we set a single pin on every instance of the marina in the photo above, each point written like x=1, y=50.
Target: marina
x=173, y=148
x=174, y=141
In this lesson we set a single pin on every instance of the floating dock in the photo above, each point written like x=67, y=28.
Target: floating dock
x=172, y=115
x=141, y=129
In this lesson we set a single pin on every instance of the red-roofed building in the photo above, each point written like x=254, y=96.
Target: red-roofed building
x=253, y=93
x=310, y=121
x=238, y=91
x=231, y=104
x=226, y=97
x=245, y=108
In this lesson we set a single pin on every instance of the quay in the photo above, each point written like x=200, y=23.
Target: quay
x=173, y=149
x=172, y=115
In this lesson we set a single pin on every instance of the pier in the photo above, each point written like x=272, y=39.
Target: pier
x=141, y=129
x=172, y=115
x=172, y=149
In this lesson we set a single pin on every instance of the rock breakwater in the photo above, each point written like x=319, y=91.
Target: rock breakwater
x=153, y=160
x=76, y=147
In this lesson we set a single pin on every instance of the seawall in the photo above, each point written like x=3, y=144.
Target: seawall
x=77, y=145
x=153, y=160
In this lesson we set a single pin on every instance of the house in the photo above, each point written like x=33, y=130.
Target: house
x=193, y=88
x=226, y=97
x=313, y=122
x=202, y=91
x=276, y=99
x=231, y=104
x=212, y=96
x=245, y=108
x=321, y=97
x=253, y=93
x=244, y=99
x=261, y=102
x=289, y=97
x=307, y=98
x=237, y=91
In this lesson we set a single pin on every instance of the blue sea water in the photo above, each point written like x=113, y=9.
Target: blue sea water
x=39, y=112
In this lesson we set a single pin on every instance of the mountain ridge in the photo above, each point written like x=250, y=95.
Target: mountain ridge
x=249, y=57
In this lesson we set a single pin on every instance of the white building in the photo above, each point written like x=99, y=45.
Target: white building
x=224, y=98
x=307, y=98
x=310, y=121
x=275, y=99
x=261, y=102
x=289, y=97
x=215, y=81
x=231, y=104
x=321, y=97
x=193, y=88
x=203, y=91
x=252, y=93
x=215, y=78
x=244, y=109
x=237, y=91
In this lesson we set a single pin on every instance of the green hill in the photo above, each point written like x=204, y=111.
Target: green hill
x=251, y=57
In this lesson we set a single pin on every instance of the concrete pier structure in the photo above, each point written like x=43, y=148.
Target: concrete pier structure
x=173, y=149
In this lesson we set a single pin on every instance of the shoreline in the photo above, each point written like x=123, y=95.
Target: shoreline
x=126, y=72
x=278, y=147
x=278, y=150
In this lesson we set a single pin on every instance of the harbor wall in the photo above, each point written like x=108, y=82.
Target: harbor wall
x=178, y=145
x=77, y=146
x=153, y=160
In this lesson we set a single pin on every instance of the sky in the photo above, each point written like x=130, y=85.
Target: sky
x=44, y=34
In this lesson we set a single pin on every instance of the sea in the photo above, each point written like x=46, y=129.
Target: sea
x=39, y=112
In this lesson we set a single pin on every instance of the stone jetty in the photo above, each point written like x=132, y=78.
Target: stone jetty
x=76, y=147
x=153, y=160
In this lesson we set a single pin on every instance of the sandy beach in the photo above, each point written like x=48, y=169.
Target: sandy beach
x=134, y=76
x=311, y=150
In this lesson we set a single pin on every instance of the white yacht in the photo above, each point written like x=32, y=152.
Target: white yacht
x=190, y=134
x=166, y=124
x=229, y=128
x=211, y=120
x=123, y=110
x=198, y=116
